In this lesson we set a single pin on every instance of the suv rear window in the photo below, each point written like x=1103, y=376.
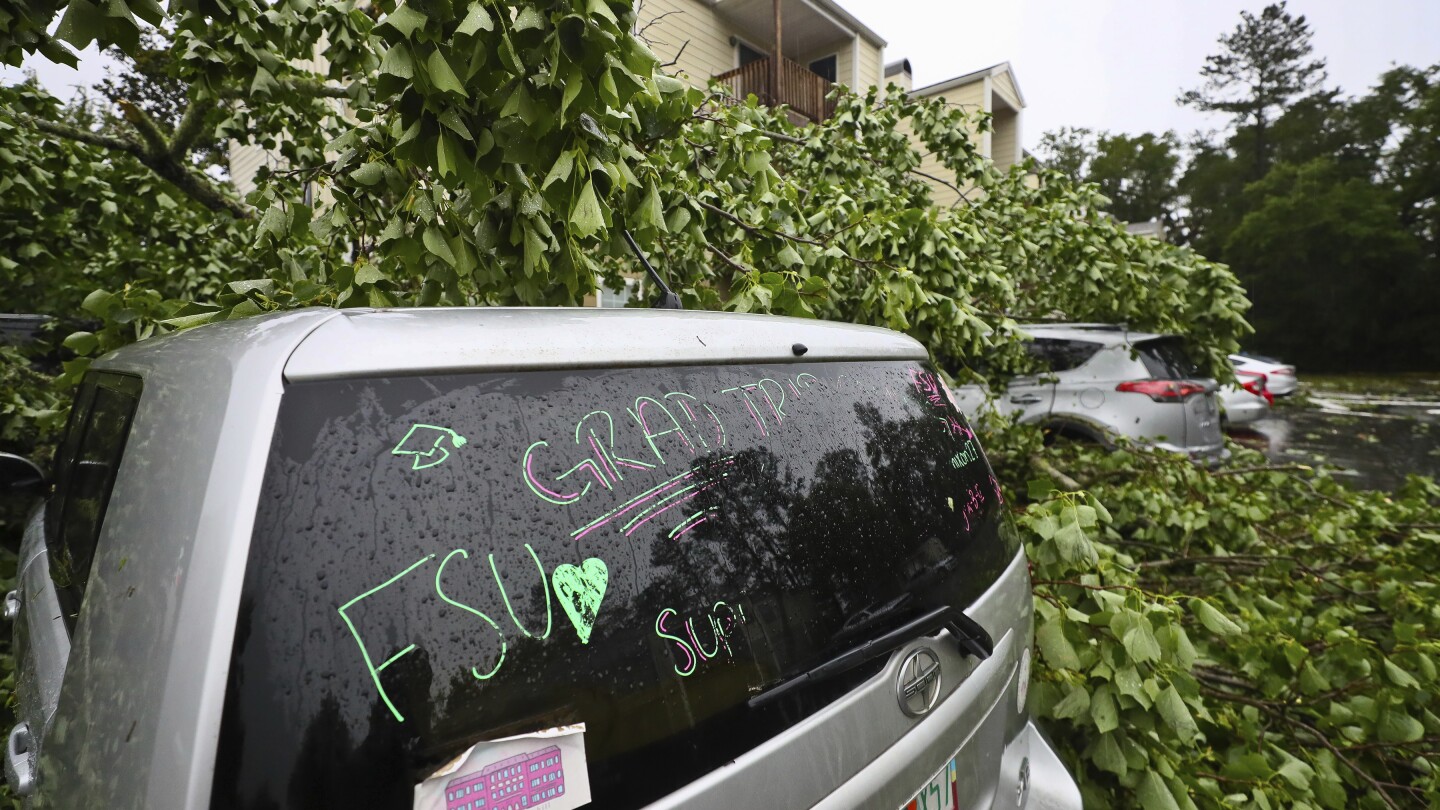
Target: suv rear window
x=426, y=567
x=1166, y=359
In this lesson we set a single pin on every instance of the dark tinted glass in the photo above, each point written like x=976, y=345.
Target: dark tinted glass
x=749, y=54
x=1062, y=355
x=442, y=560
x=1166, y=359
x=824, y=68
x=89, y=460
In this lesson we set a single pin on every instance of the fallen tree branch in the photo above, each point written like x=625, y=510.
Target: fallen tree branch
x=1066, y=482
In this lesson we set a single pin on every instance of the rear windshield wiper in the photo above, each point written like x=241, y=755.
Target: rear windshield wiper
x=969, y=636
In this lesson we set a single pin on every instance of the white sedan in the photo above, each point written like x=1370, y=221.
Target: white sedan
x=1279, y=378
x=1244, y=403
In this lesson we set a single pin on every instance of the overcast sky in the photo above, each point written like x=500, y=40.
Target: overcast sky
x=1119, y=64
x=1104, y=64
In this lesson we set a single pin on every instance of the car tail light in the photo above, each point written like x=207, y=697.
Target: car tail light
x=1163, y=390
x=1285, y=371
x=1254, y=382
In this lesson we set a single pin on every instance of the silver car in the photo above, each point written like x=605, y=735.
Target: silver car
x=491, y=559
x=1099, y=382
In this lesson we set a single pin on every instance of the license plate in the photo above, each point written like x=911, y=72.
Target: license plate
x=937, y=794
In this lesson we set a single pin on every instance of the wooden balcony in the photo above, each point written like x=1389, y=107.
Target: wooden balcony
x=801, y=90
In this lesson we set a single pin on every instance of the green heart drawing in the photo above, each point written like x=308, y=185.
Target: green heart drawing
x=580, y=591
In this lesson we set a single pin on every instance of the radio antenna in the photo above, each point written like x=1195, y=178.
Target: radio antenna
x=668, y=299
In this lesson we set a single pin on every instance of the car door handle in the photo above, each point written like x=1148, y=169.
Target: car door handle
x=1024, y=399
x=20, y=760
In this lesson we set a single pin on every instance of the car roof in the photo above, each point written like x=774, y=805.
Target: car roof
x=1102, y=333
x=328, y=344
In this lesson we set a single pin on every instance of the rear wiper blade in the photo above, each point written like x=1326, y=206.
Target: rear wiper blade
x=970, y=637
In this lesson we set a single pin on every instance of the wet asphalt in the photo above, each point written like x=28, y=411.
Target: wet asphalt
x=1371, y=432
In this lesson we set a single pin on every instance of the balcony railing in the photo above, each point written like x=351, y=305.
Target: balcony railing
x=802, y=90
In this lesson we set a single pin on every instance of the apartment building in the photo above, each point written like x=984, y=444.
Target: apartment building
x=734, y=41
x=821, y=44
x=993, y=89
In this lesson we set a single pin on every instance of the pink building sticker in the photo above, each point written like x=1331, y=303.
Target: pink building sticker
x=542, y=770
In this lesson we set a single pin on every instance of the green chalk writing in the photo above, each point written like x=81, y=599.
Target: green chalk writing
x=580, y=590
x=364, y=652
x=425, y=444
x=511, y=610
x=475, y=671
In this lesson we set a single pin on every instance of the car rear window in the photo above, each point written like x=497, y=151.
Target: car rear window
x=442, y=560
x=1166, y=359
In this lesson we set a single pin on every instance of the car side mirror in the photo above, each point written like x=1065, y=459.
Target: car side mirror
x=20, y=476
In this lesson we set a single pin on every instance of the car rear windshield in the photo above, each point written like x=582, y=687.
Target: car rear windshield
x=1166, y=359
x=443, y=560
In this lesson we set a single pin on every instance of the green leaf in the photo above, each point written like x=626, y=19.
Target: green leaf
x=529, y=17
x=1108, y=756
x=1398, y=676
x=436, y=244
x=1153, y=794
x=82, y=24
x=452, y=121
x=478, y=19
x=369, y=273
x=1075, y=704
x=441, y=75
x=560, y=171
x=1137, y=636
x=602, y=9
x=1396, y=726
x=1176, y=714
x=405, y=19
x=1214, y=621
x=1103, y=710
x=1058, y=652
x=81, y=342
x=368, y=174
x=585, y=216
x=398, y=62
x=650, y=212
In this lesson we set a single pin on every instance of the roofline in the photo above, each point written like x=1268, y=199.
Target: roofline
x=993, y=70
x=831, y=7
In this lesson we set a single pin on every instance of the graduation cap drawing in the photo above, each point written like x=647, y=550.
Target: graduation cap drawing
x=426, y=445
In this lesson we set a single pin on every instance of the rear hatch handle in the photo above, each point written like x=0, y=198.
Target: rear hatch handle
x=970, y=637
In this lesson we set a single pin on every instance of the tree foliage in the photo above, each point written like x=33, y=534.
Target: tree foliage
x=1255, y=636
x=1263, y=65
x=1136, y=173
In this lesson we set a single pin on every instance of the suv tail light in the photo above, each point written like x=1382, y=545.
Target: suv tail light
x=1163, y=390
x=1254, y=382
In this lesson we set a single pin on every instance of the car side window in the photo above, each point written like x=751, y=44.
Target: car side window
x=86, y=469
x=1062, y=355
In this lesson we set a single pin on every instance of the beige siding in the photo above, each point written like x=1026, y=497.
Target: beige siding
x=972, y=97
x=1004, y=85
x=245, y=161
x=845, y=66
x=1005, y=141
x=871, y=71
x=709, y=50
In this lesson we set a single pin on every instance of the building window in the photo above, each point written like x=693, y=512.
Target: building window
x=825, y=68
x=746, y=54
x=612, y=298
